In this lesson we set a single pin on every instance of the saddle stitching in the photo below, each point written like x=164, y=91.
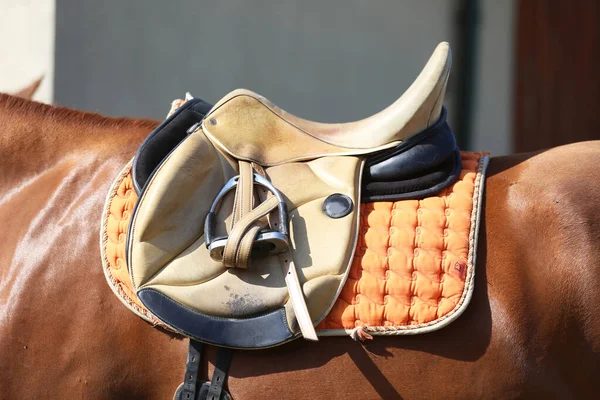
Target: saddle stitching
x=104, y=238
x=295, y=126
x=442, y=273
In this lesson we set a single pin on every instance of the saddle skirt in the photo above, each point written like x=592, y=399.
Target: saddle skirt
x=312, y=175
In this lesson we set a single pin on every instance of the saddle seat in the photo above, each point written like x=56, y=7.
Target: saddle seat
x=315, y=171
x=250, y=127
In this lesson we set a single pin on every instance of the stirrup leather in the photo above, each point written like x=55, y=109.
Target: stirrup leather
x=249, y=237
x=266, y=241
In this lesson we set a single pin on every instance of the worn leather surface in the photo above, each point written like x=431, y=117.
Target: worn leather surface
x=254, y=332
x=250, y=127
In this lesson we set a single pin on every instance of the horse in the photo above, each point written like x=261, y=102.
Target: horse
x=532, y=328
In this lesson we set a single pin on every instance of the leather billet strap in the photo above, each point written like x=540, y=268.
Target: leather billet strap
x=220, y=374
x=192, y=366
x=194, y=389
x=297, y=296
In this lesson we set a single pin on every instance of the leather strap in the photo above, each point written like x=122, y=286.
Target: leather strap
x=245, y=248
x=192, y=366
x=237, y=251
x=220, y=375
x=244, y=194
x=297, y=296
x=237, y=234
x=246, y=224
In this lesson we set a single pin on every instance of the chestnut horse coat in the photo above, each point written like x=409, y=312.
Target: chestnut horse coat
x=532, y=328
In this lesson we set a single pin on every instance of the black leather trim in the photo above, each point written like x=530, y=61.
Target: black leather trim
x=165, y=138
x=422, y=165
x=421, y=151
x=249, y=333
x=428, y=183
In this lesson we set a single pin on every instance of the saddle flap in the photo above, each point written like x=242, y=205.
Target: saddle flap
x=177, y=280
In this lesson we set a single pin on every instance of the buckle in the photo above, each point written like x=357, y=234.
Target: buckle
x=267, y=241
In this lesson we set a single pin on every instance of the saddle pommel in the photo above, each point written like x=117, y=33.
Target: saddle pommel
x=250, y=127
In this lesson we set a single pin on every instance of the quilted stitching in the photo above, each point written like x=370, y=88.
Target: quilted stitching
x=411, y=262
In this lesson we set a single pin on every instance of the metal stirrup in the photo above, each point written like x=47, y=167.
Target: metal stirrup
x=269, y=240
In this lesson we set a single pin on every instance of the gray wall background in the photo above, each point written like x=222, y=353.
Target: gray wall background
x=27, y=46
x=331, y=61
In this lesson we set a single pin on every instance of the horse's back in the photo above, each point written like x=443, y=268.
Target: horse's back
x=543, y=263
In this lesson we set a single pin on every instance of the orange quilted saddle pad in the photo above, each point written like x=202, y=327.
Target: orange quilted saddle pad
x=413, y=269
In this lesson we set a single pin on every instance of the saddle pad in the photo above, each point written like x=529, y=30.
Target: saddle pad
x=412, y=272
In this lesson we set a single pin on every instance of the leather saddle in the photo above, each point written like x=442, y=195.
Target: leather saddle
x=247, y=218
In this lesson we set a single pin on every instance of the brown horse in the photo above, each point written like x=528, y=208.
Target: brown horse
x=532, y=328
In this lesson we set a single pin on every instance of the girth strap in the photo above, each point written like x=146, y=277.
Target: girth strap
x=191, y=389
x=220, y=374
x=192, y=365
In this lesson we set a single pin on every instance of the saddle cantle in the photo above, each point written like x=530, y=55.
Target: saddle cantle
x=243, y=295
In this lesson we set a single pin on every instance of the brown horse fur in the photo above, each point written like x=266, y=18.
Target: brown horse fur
x=532, y=328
